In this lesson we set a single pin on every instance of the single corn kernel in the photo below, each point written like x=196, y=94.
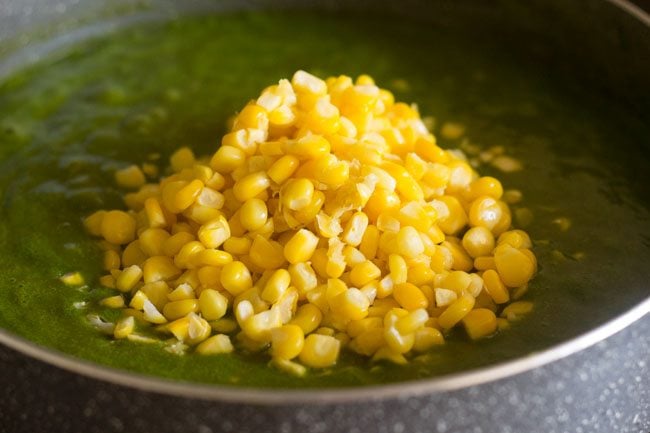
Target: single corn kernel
x=118, y=227
x=517, y=309
x=116, y=301
x=214, y=233
x=301, y=246
x=514, y=267
x=363, y=273
x=128, y=278
x=426, y=338
x=287, y=341
x=236, y=278
x=227, y=158
x=308, y=317
x=124, y=327
x=409, y=296
x=212, y=304
x=456, y=311
x=111, y=260
x=398, y=268
x=276, y=285
x=177, y=309
x=320, y=351
x=93, y=222
x=495, y=287
x=159, y=268
x=297, y=193
x=253, y=214
x=409, y=243
x=478, y=241
x=355, y=229
x=250, y=186
x=266, y=254
x=480, y=323
x=214, y=345
x=130, y=177
x=283, y=168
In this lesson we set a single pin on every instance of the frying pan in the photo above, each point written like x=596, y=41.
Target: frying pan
x=552, y=381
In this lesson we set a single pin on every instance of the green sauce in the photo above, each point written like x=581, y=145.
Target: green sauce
x=66, y=124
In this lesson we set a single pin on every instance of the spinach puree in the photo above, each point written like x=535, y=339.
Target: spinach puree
x=69, y=122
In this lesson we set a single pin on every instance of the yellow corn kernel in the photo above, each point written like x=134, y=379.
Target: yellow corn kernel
x=250, y=186
x=130, y=177
x=452, y=216
x=484, y=263
x=283, y=168
x=266, y=254
x=118, y=227
x=152, y=241
x=156, y=292
x=237, y=246
x=133, y=254
x=276, y=286
x=456, y=311
x=461, y=261
x=351, y=304
x=502, y=324
x=212, y=304
x=426, y=338
x=151, y=313
x=420, y=274
x=287, y=341
x=173, y=244
x=128, y=278
x=211, y=257
x=458, y=281
x=409, y=296
x=408, y=242
x=495, y=287
x=485, y=186
x=124, y=327
x=514, y=267
x=301, y=246
x=398, y=269
x=516, y=310
x=181, y=292
x=480, y=323
x=320, y=351
x=214, y=345
x=515, y=238
x=478, y=241
x=370, y=242
x=183, y=197
x=485, y=212
x=308, y=317
x=355, y=229
x=303, y=277
x=411, y=322
x=214, y=233
x=236, y=278
x=253, y=214
x=297, y=193
x=185, y=257
x=111, y=260
x=93, y=222
x=116, y=301
x=177, y=309
x=159, y=268
x=363, y=273
x=227, y=158
x=107, y=281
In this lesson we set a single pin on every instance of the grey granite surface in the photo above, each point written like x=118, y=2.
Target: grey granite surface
x=605, y=388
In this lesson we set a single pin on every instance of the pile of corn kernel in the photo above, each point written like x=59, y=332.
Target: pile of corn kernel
x=328, y=219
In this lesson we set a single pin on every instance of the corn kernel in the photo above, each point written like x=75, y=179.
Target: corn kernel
x=456, y=311
x=320, y=351
x=235, y=278
x=409, y=296
x=130, y=177
x=514, y=267
x=480, y=323
x=118, y=227
x=124, y=327
x=214, y=345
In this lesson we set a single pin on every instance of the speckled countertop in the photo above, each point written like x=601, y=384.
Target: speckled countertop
x=605, y=388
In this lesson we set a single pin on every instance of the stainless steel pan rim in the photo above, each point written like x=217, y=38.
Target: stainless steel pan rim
x=271, y=396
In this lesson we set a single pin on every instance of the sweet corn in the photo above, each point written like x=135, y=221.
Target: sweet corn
x=480, y=323
x=328, y=218
x=320, y=351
